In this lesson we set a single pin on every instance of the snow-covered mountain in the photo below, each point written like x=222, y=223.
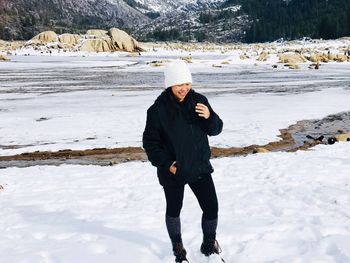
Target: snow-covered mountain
x=166, y=6
x=201, y=20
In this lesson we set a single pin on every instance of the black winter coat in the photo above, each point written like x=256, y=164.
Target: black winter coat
x=175, y=132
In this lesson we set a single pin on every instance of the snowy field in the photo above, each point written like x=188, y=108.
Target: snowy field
x=274, y=208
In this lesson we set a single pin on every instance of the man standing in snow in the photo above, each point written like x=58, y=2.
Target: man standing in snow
x=176, y=142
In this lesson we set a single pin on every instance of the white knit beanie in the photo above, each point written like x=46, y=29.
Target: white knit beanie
x=176, y=73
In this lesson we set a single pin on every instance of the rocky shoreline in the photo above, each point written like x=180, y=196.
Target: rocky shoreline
x=291, y=54
x=95, y=40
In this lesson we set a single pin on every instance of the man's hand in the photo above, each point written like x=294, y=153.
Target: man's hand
x=172, y=168
x=202, y=110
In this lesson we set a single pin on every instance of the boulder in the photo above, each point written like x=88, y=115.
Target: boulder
x=341, y=58
x=343, y=137
x=243, y=57
x=260, y=150
x=44, y=38
x=4, y=58
x=69, y=39
x=313, y=58
x=319, y=58
x=263, y=56
x=292, y=58
x=122, y=41
x=97, y=32
x=96, y=45
x=330, y=57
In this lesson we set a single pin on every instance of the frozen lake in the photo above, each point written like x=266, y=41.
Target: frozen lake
x=62, y=102
x=45, y=74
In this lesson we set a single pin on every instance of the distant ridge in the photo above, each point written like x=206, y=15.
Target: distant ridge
x=221, y=21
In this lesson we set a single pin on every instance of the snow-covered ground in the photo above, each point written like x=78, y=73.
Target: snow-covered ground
x=276, y=207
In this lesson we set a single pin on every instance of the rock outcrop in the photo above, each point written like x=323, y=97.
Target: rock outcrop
x=69, y=39
x=44, y=38
x=292, y=59
x=321, y=57
x=122, y=41
x=96, y=45
x=10, y=45
x=95, y=40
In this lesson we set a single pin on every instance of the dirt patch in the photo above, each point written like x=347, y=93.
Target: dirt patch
x=102, y=153
x=124, y=154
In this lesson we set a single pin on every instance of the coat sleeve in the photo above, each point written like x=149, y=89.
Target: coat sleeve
x=153, y=144
x=213, y=125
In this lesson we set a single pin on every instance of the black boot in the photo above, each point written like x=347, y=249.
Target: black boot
x=178, y=249
x=210, y=246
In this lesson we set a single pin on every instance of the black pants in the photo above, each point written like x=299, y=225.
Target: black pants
x=204, y=190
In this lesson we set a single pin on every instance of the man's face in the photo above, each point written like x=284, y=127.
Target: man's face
x=180, y=91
